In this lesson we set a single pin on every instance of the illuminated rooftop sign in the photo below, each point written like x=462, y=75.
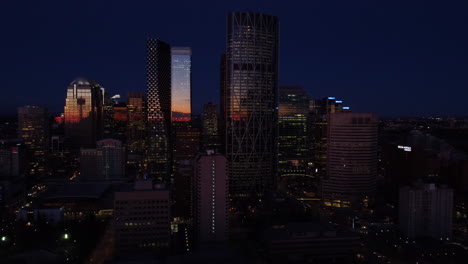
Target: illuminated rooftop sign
x=405, y=148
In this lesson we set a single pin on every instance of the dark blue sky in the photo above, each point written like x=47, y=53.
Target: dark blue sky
x=401, y=57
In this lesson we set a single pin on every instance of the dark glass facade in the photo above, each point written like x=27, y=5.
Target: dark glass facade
x=319, y=108
x=136, y=125
x=186, y=145
x=250, y=101
x=181, y=84
x=158, y=160
x=33, y=131
x=210, y=127
x=293, y=132
x=84, y=113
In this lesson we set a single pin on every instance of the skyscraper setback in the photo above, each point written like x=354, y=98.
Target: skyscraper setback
x=249, y=88
x=181, y=74
x=158, y=76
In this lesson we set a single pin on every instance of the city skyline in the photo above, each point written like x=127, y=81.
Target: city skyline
x=271, y=171
x=372, y=57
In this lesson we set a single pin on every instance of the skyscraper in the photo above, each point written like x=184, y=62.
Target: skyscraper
x=210, y=199
x=136, y=125
x=33, y=130
x=158, y=75
x=250, y=101
x=351, y=159
x=84, y=113
x=181, y=81
x=318, y=127
x=293, y=131
x=210, y=134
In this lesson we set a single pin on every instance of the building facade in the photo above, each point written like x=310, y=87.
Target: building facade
x=210, y=201
x=318, y=127
x=104, y=163
x=351, y=159
x=136, y=125
x=250, y=100
x=293, y=132
x=142, y=219
x=84, y=113
x=181, y=88
x=158, y=154
x=33, y=131
x=210, y=133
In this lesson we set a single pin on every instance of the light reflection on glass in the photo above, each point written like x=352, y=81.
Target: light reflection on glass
x=181, y=83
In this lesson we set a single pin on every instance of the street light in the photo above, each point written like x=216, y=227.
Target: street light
x=4, y=238
x=65, y=236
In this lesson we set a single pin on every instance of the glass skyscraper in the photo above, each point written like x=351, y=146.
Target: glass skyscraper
x=136, y=128
x=33, y=130
x=84, y=113
x=158, y=160
x=210, y=134
x=250, y=101
x=181, y=74
x=293, y=131
x=319, y=108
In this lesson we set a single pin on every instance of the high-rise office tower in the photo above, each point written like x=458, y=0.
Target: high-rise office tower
x=136, y=125
x=318, y=127
x=181, y=80
x=293, y=131
x=351, y=159
x=210, y=134
x=142, y=219
x=425, y=210
x=158, y=154
x=210, y=201
x=84, y=113
x=250, y=91
x=33, y=130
